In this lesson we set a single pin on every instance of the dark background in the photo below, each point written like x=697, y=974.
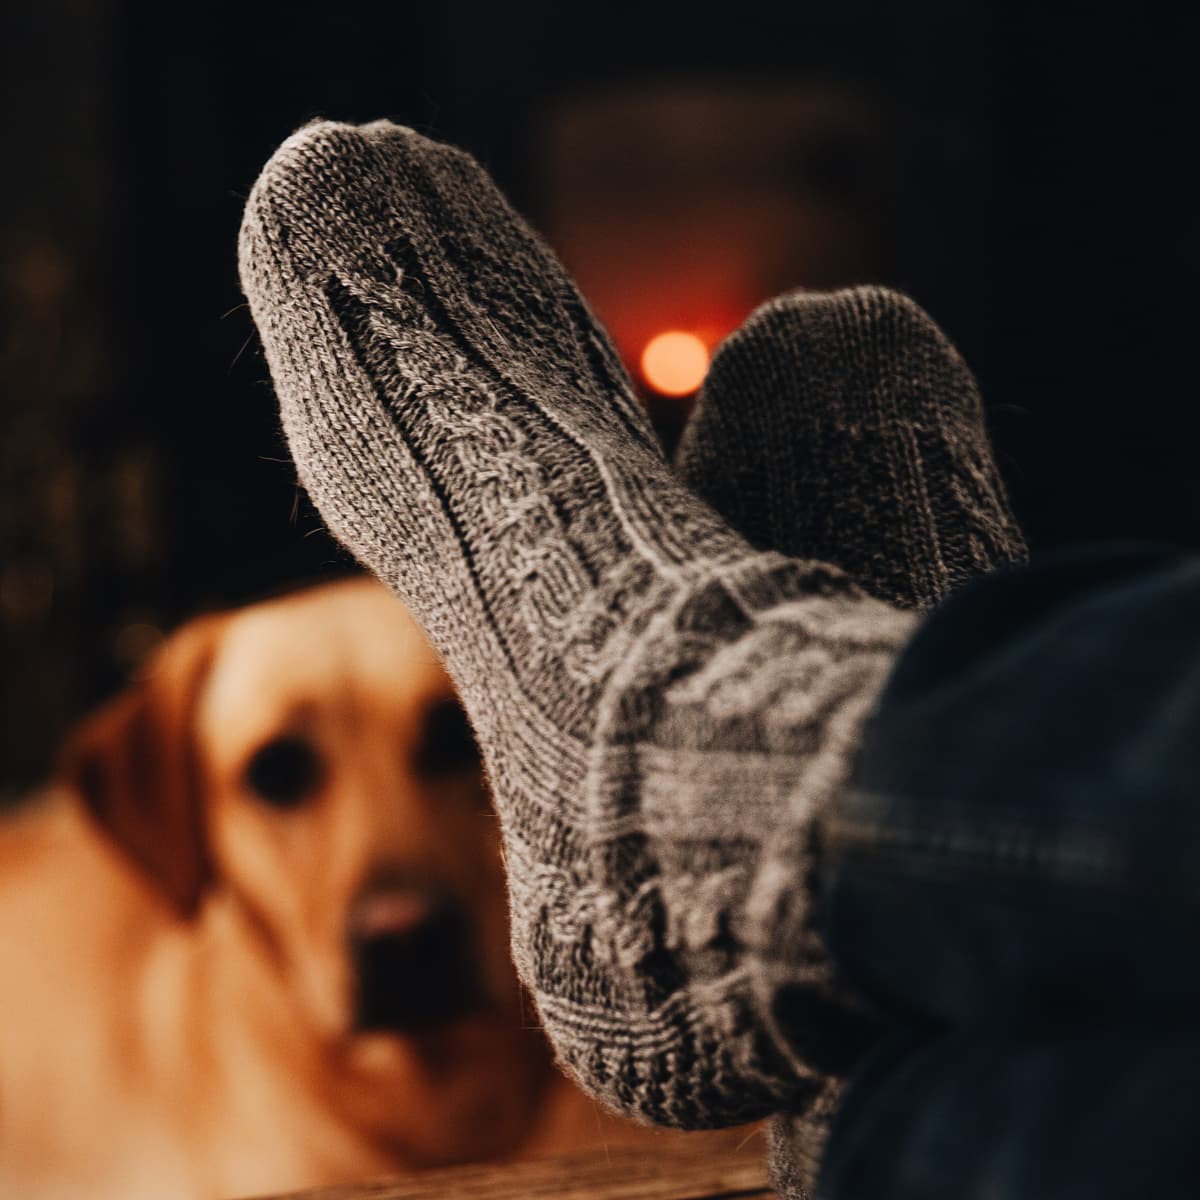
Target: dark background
x=1023, y=168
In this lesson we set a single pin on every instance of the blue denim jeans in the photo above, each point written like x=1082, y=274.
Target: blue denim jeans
x=1013, y=880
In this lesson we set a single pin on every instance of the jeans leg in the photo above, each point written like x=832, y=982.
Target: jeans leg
x=1013, y=879
x=1101, y=1114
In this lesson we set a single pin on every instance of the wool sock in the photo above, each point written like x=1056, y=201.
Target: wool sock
x=846, y=427
x=662, y=708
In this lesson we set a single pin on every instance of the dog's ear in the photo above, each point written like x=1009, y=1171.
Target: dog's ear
x=137, y=768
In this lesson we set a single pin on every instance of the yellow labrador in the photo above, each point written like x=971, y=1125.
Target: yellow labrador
x=258, y=939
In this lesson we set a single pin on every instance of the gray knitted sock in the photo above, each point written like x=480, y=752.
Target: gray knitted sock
x=662, y=708
x=846, y=427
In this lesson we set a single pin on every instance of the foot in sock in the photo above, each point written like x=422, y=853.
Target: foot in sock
x=455, y=411
x=662, y=708
x=846, y=427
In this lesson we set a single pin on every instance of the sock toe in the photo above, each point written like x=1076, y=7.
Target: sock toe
x=845, y=426
x=388, y=215
x=869, y=347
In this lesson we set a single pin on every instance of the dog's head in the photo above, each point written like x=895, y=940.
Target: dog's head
x=304, y=764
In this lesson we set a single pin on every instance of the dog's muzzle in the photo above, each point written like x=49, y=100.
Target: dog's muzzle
x=414, y=955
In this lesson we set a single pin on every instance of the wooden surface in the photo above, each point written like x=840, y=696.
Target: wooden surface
x=641, y=1174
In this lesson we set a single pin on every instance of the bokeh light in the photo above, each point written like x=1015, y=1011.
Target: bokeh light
x=674, y=363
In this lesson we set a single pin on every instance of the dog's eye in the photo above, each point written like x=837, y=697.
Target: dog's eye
x=447, y=744
x=284, y=773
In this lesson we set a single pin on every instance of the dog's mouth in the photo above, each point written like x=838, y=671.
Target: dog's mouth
x=414, y=958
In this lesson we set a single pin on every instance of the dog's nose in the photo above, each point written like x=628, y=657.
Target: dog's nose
x=414, y=959
x=390, y=913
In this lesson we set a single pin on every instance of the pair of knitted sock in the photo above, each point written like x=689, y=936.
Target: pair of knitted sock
x=668, y=671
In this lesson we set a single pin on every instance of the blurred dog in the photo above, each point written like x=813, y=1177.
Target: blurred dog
x=258, y=940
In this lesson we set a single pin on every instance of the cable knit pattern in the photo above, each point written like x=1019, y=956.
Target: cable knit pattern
x=662, y=707
x=843, y=426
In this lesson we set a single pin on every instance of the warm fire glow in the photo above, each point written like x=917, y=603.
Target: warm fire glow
x=674, y=363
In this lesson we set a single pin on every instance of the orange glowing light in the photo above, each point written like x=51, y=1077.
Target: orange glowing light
x=674, y=363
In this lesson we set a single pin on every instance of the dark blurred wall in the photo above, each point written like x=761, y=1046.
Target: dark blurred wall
x=1033, y=192
x=78, y=503
x=1087, y=241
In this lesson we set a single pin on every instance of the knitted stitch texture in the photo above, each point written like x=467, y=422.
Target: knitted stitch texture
x=662, y=708
x=846, y=427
